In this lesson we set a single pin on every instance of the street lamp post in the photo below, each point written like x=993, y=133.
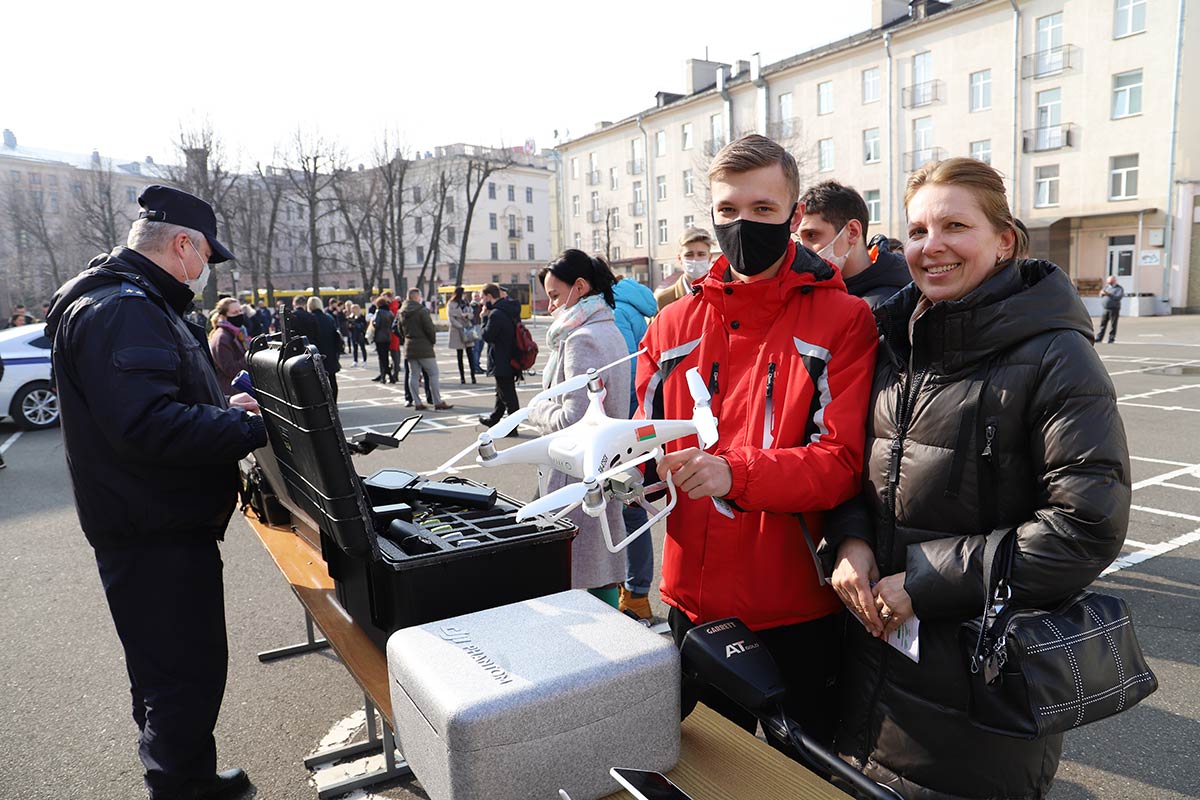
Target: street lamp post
x=235, y=275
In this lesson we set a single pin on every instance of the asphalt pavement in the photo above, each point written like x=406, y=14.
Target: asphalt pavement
x=67, y=731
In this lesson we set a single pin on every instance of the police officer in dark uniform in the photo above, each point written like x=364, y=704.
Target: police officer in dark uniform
x=152, y=447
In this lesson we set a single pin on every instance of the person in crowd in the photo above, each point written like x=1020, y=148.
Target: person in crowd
x=835, y=228
x=583, y=336
x=990, y=410
x=328, y=341
x=420, y=336
x=695, y=257
x=152, y=448
x=477, y=322
x=787, y=356
x=260, y=323
x=20, y=316
x=356, y=325
x=500, y=317
x=462, y=338
x=634, y=303
x=302, y=323
x=338, y=313
x=228, y=343
x=381, y=325
x=1113, y=293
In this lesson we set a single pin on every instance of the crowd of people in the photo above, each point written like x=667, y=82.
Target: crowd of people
x=883, y=404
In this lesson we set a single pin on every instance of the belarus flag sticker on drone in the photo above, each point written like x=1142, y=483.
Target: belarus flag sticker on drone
x=645, y=432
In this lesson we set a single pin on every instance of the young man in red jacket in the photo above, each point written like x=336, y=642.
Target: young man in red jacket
x=788, y=357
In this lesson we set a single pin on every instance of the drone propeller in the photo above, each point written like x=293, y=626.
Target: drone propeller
x=564, y=496
x=706, y=424
x=466, y=451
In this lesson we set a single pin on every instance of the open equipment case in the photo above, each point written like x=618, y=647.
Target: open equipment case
x=401, y=550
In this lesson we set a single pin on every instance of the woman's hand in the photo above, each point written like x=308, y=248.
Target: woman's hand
x=894, y=604
x=853, y=576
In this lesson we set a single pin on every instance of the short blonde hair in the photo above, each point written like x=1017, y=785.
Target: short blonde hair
x=315, y=304
x=695, y=235
x=754, y=152
x=983, y=182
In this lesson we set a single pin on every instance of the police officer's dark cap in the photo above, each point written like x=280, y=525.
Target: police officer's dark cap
x=164, y=204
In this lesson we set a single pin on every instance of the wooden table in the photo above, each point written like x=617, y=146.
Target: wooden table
x=718, y=760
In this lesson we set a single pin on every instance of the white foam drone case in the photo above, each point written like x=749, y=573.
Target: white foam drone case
x=520, y=701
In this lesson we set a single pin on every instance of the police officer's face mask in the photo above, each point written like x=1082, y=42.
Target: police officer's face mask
x=197, y=283
x=751, y=246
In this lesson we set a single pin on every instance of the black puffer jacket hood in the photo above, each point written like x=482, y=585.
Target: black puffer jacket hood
x=886, y=276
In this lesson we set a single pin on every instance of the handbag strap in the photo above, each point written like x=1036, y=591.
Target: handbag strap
x=997, y=590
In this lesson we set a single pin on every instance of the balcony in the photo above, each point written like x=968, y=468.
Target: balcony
x=1053, y=61
x=595, y=215
x=1051, y=137
x=783, y=128
x=637, y=209
x=635, y=167
x=915, y=159
x=516, y=233
x=921, y=94
x=593, y=178
x=713, y=146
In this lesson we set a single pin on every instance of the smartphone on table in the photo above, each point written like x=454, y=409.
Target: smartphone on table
x=646, y=785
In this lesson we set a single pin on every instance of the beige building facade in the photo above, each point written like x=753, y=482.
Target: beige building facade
x=1073, y=101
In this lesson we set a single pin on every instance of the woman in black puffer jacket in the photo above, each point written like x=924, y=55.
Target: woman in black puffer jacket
x=990, y=409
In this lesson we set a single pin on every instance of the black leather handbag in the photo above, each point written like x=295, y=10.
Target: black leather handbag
x=1034, y=673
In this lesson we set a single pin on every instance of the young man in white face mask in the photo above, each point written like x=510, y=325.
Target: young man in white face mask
x=834, y=227
x=787, y=356
x=695, y=259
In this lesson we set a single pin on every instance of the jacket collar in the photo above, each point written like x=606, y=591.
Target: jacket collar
x=803, y=272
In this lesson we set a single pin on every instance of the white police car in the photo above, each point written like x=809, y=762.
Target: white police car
x=25, y=391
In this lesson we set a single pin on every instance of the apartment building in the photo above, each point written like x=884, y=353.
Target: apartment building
x=1073, y=101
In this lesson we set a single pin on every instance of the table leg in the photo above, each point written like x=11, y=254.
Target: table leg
x=393, y=768
x=308, y=646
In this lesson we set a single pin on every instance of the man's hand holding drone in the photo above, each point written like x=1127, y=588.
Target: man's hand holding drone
x=698, y=473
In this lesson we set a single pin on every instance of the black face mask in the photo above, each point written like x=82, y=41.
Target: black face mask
x=752, y=247
x=236, y=321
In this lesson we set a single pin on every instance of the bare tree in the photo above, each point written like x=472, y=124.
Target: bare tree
x=443, y=188
x=479, y=166
x=26, y=216
x=364, y=212
x=100, y=221
x=253, y=205
x=311, y=170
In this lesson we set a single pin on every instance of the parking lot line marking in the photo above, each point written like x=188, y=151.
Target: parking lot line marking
x=1157, y=366
x=1164, y=513
x=1181, y=486
x=1154, y=550
x=1158, y=392
x=1166, y=476
x=9, y=441
x=1160, y=408
x=1159, y=461
x=1135, y=543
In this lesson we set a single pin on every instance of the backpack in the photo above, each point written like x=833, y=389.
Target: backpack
x=525, y=351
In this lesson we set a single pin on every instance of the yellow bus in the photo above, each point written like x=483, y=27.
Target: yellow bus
x=327, y=292
x=517, y=291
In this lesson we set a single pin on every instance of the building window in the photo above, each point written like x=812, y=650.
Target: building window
x=922, y=141
x=660, y=143
x=35, y=179
x=131, y=194
x=614, y=182
x=492, y=221
x=578, y=241
x=416, y=194
x=1049, y=134
x=1123, y=177
x=871, y=145
x=595, y=201
x=825, y=97
x=982, y=150
x=662, y=231
x=512, y=225
x=52, y=180
x=420, y=253
x=1045, y=186
x=638, y=198
x=597, y=240
x=512, y=252
x=1127, y=94
x=418, y=225
x=575, y=205
x=689, y=221
x=786, y=119
x=1049, y=36
x=492, y=190
x=870, y=85
x=614, y=218
x=871, y=196
x=512, y=193
x=450, y=235
x=1129, y=17
x=661, y=187
x=639, y=235
x=449, y=205
x=686, y=134
x=981, y=90
x=531, y=253
x=825, y=155
x=616, y=254
x=529, y=224
x=689, y=182
x=15, y=175
x=574, y=167
x=528, y=194
x=496, y=251
x=716, y=133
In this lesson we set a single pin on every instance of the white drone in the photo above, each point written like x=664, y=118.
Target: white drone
x=598, y=450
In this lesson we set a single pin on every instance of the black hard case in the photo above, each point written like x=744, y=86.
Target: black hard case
x=381, y=586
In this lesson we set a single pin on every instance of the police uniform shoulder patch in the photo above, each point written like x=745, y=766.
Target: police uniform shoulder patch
x=130, y=289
